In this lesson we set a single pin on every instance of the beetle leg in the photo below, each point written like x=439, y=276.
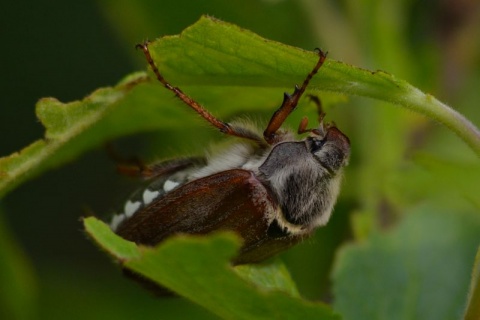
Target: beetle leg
x=169, y=167
x=134, y=167
x=302, y=127
x=290, y=103
x=224, y=127
x=320, y=113
x=159, y=169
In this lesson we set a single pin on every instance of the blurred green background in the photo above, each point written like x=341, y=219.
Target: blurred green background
x=68, y=49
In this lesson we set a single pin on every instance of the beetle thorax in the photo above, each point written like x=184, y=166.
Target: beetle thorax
x=305, y=190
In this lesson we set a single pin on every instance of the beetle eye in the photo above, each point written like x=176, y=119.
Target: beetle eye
x=316, y=145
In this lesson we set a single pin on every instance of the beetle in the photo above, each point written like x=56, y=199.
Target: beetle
x=272, y=189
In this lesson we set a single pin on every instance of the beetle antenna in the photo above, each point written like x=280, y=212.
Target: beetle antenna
x=290, y=102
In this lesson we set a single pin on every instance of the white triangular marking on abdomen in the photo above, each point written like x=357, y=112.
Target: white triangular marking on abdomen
x=148, y=196
x=131, y=207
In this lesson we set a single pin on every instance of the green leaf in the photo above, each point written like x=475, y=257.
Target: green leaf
x=217, y=53
x=109, y=241
x=472, y=311
x=214, y=54
x=19, y=287
x=71, y=129
x=269, y=276
x=420, y=270
x=198, y=268
x=436, y=178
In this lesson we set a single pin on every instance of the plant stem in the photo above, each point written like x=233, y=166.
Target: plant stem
x=452, y=119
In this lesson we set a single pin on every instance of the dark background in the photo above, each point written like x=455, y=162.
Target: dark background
x=68, y=49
